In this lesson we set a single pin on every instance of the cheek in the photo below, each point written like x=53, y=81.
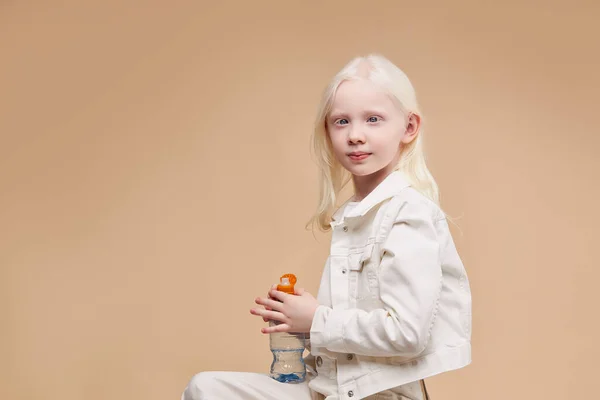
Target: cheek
x=337, y=142
x=386, y=151
x=386, y=144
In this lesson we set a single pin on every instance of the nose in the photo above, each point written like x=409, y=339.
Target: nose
x=355, y=135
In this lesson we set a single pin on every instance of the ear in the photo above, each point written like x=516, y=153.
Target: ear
x=412, y=128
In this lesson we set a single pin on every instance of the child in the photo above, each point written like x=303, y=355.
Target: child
x=394, y=304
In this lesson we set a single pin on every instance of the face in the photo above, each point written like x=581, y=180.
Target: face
x=367, y=129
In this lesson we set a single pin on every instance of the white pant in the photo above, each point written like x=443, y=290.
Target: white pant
x=226, y=385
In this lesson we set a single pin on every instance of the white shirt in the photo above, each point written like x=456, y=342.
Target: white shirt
x=395, y=301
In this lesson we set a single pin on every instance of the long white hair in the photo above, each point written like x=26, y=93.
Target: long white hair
x=332, y=175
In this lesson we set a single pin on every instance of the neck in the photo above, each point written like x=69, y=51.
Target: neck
x=363, y=185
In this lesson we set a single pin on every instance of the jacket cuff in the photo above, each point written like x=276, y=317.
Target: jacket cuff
x=327, y=329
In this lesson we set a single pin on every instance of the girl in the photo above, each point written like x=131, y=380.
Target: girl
x=394, y=304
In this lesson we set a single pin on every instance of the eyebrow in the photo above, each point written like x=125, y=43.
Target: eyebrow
x=336, y=114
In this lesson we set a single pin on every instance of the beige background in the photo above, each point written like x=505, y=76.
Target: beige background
x=155, y=177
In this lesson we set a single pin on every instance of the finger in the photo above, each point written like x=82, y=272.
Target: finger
x=278, y=295
x=265, y=318
x=299, y=291
x=272, y=304
x=276, y=328
x=264, y=314
x=274, y=315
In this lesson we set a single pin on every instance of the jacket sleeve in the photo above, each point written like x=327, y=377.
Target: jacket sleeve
x=410, y=282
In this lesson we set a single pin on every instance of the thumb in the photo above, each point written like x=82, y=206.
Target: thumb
x=299, y=291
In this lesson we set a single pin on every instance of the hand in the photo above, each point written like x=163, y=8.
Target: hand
x=294, y=312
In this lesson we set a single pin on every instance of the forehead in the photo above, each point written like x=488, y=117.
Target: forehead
x=360, y=94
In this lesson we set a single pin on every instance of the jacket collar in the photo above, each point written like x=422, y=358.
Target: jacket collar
x=389, y=187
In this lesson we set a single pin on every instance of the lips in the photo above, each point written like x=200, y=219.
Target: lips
x=357, y=156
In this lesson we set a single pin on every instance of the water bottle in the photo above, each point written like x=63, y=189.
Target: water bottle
x=287, y=347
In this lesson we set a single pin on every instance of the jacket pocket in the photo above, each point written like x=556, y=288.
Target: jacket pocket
x=363, y=279
x=359, y=257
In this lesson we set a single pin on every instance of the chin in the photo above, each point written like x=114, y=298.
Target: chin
x=362, y=170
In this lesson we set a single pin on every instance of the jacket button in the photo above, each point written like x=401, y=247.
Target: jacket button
x=350, y=393
x=345, y=228
x=349, y=357
x=343, y=271
x=319, y=361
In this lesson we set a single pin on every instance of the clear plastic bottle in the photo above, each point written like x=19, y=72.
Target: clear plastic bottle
x=287, y=348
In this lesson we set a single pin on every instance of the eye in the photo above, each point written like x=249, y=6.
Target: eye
x=373, y=119
x=341, y=121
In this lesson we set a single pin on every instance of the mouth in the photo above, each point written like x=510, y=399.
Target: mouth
x=357, y=156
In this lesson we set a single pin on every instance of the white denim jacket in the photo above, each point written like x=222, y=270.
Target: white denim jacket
x=394, y=300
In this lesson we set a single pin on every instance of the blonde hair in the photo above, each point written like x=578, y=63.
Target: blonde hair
x=332, y=175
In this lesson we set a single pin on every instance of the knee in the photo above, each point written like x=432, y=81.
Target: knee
x=199, y=386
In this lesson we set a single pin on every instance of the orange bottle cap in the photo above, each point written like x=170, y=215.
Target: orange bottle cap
x=287, y=283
